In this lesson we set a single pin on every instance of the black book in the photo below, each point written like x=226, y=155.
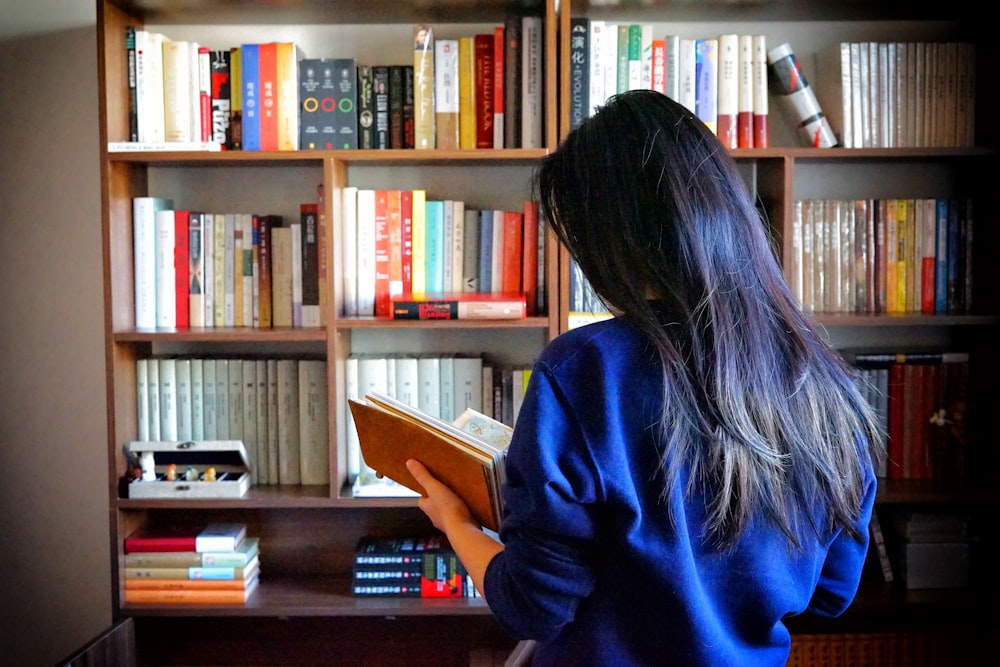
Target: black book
x=366, y=106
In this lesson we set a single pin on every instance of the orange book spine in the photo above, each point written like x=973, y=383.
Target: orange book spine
x=267, y=54
x=513, y=247
x=382, y=253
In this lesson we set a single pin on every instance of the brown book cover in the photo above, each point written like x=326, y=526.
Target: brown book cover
x=391, y=432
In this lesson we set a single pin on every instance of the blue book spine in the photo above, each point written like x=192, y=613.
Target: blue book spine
x=485, y=251
x=954, y=246
x=251, y=97
x=941, y=258
x=434, y=246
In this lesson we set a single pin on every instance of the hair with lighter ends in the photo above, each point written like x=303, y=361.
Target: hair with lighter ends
x=759, y=409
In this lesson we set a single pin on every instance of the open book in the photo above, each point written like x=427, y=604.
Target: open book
x=467, y=455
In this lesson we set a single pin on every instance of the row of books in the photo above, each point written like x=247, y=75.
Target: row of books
x=214, y=563
x=722, y=79
x=398, y=242
x=440, y=385
x=899, y=94
x=418, y=567
x=907, y=255
x=277, y=407
x=475, y=91
x=920, y=399
x=199, y=269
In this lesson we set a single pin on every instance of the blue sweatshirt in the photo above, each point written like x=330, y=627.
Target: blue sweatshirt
x=593, y=567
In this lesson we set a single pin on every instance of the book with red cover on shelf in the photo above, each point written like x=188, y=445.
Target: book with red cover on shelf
x=213, y=536
x=459, y=306
x=247, y=550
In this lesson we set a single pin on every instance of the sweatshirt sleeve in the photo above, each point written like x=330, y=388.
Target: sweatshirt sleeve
x=838, y=581
x=534, y=586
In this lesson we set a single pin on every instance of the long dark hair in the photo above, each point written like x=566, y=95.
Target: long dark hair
x=756, y=405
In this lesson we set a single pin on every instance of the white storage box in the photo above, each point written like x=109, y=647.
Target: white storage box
x=226, y=458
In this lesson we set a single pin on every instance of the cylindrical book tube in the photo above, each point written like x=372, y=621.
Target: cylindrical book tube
x=798, y=96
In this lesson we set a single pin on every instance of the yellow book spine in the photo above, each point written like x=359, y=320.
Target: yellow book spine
x=466, y=92
x=423, y=87
x=904, y=240
x=891, y=250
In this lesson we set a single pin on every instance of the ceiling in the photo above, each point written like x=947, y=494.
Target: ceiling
x=32, y=17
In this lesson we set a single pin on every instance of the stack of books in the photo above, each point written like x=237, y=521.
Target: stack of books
x=417, y=567
x=215, y=563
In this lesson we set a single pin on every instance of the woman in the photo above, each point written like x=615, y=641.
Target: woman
x=686, y=475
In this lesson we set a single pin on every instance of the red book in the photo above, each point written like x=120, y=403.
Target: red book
x=498, y=86
x=382, y=253
x=181, y=268
x=513, y=247
x=459, y=306
x=217, y=536
x=894, y=466
x=531, y=264
x=483, y=51
x=267, y=63
x=406, y=237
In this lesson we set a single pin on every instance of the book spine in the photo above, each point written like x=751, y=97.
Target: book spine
x=446, y=93
x=380, y=80
x=498, y=86
x=531, y=83
x=728, y=89
x=761, y=132
x=579, y=70
x=423, y=87
x=366, y=106
x=512, y=82
x=483, y=89
x=221, y=93
x=234, y=133
x=459, y=309
x=251, y=97
x=267, y=72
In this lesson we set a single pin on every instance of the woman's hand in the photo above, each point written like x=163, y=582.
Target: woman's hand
x=445, y=509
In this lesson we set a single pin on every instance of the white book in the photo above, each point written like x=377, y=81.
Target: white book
x=144, y=255
x=260, y=411
x=197, y=399
x=857, y=140
x=609, y=60
x=447, y=381
x=208, y=278
x=249, y=403
x=390, y=374
x=446, y=92
x=517, y=391
x=686, y=69
x=597, y=43
x=237, y=272
x=205, y=117
x=166, y=276
x=185, y=429
x=219, y=251
x=761, y=136
x=149, y=86
x=153, y=395
x=142, y=398
x=208, y=390
x=222, y=399
x=744, y=91
x=532, y=39
x=429, y=375
x=236, y=400
x=177, y=91
x=194, y=65
x=634, y=59
x=351, y=432
x=229, y=268
x=646, y=56
x=672, y=56
x=366, y=252
x=168, y=398
x=314, y=425
x=728, y=89
x=407, y=380
x=296, y=266
x=289, y=457
x=349, y=250
x=468, y=389
x=273, y=471
x=457, y=255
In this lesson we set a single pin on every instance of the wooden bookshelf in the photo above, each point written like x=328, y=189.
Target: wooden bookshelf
x=303, y=612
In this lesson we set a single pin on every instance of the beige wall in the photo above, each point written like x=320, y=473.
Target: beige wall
x=54, y=545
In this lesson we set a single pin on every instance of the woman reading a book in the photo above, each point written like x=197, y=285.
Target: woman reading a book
x=687, y=474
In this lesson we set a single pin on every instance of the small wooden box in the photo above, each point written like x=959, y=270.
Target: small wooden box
x=227, y=457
